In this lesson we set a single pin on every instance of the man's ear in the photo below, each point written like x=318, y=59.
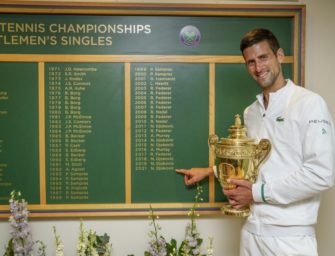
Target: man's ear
x=280, y=55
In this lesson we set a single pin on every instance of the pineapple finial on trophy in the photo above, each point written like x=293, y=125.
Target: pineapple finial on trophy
x=238, y=121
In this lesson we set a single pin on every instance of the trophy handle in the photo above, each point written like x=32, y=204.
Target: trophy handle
x=263, y=150
x=212, y=140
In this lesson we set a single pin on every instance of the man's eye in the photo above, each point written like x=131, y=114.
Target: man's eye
x=250, y=63
x=264, y=57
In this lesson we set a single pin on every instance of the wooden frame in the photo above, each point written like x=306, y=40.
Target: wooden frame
x=296, y=12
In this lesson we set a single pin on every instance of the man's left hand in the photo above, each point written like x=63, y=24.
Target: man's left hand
x=241, y=195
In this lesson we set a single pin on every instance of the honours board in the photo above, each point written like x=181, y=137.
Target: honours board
x=100, y=103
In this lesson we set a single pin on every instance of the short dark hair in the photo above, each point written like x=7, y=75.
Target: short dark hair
x=258, y=35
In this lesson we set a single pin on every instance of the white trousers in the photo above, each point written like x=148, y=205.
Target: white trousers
x=255, y=245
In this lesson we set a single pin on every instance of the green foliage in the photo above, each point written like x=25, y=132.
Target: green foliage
x=9, y=249
x=91, y=244
x=101, y=244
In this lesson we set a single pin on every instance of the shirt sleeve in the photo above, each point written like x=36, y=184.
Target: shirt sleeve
x=257, y=192
x=317, y=170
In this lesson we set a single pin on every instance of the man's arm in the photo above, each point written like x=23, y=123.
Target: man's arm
x=318, y=160
x=194, y=175
x=238, y=197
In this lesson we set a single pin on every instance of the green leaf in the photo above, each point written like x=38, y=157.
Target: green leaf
x=103, y=239
x=9, y=249
x=181, y=247
x=172, y=247
x=173, y=242
x=199, y=241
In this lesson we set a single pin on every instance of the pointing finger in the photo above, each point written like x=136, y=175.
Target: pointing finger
x=182, y=171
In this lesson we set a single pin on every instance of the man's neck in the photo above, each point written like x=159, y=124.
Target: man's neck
x=266, y=100
x=268, y=90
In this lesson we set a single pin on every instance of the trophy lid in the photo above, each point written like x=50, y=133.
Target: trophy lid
x=237, y=134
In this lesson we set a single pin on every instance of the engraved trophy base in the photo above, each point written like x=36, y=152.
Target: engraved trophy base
x=227, y=209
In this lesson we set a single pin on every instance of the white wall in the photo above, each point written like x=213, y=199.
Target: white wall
x=130, y=235
x=320, y=36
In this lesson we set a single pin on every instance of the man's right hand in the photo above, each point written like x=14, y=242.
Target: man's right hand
x=194, y=175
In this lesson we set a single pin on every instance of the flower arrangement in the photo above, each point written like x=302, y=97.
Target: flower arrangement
x=190, y=246
x=91, y=244
x=21, y=242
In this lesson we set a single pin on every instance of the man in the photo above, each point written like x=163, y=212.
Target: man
x=286, y=196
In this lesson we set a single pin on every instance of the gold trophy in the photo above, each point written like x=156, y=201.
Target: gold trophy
x=238, y=157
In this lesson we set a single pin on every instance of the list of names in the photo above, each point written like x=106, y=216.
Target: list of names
x=153, y=117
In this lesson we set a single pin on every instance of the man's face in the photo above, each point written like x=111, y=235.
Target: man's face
x=263, y=65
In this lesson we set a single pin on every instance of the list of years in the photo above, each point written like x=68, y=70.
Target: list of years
x=68, y=128
x=153, y=118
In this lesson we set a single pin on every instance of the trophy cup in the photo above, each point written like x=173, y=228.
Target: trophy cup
x=237, y=157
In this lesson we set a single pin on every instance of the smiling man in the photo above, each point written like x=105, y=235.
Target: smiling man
x=286, y=196
x=264, y=65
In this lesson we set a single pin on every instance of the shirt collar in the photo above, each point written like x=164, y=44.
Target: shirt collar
x=282, y=94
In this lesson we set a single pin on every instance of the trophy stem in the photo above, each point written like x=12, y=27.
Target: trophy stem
x=227, y=209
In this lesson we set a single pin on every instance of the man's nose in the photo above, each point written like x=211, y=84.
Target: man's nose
x=258, y=65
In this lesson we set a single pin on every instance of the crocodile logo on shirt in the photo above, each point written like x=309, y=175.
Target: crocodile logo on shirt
x=280, y=119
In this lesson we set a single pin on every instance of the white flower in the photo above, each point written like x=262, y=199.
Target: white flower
x=82, y=241
x=41, y=248
x=90, y=244
x=210, y=250
x=58, y=243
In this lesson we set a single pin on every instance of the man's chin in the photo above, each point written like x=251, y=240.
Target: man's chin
x=263, y=84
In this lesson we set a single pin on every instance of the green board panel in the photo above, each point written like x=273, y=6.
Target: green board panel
x=19, y=131
x=84, y=132
x=170, y=114
x=88, y=34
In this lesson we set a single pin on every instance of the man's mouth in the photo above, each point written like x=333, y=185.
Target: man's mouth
x=262, y=75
